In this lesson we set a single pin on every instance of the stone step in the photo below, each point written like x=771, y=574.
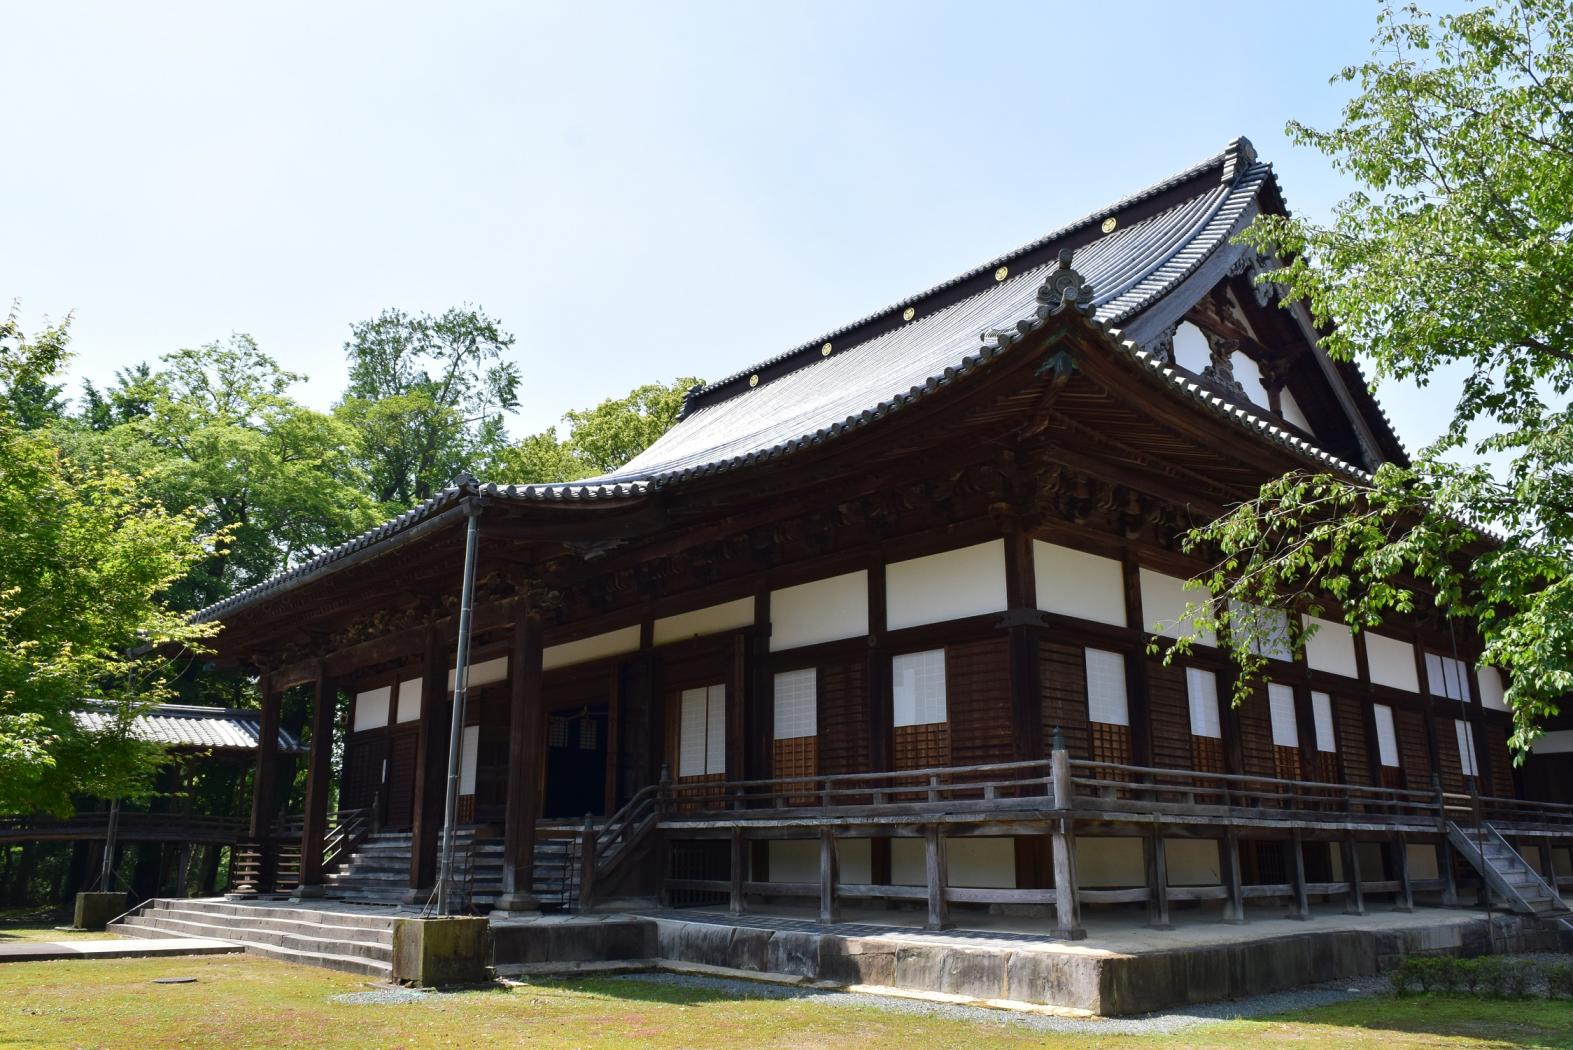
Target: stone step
x=344, y=963
x=248, y=935
x=242, y=910
x=261, y=919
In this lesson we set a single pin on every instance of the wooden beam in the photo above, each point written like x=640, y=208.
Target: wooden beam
x=739, y=876
x=1354, y=903
x=936, y=876
x=829, y=875
x=1229, y=848
x=1406, y=891
x=1157, y=859
x=1302, y=899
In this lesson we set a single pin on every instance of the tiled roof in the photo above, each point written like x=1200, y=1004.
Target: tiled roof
x=181, y=725
x=1130, y=258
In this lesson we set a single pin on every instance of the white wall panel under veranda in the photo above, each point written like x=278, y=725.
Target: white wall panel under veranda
x=1193, y=862
x=595, y=647
x=797, y=860
x=728, y=616
x=986, y=863
x=1164, y=599
x=1109, y=863
x=1331, y=648
x=822, y=611
x=1075, y=583
x=1392, y=662
x=969, y=581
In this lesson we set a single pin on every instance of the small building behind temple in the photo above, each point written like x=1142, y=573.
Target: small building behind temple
x=872, y=622
x=176, y=844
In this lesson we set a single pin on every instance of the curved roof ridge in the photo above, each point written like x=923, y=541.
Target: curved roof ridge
x=1226, y=160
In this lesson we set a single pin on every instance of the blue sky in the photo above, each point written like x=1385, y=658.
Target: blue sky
x=638, y=191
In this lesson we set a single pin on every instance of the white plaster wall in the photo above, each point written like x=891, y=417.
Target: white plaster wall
x=1193, y=862
x=469, y=756
x=1292, y=412
x=1075, y=583
x=484, y=673
x=1422, y=861
x=595, y=647
x=409, y=700
x=906, y=863
x=1110, y=862
x=371, y=708
x=1556, y=742
x=1331, y=648
x=987, y=863
x=1392, y=662
x=797, y=860
x=1491, y=688
x=714, y=619
x=821, y=611
x=1164, y=599
x=969, y=581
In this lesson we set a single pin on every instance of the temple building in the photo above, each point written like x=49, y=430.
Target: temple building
x=871, y=622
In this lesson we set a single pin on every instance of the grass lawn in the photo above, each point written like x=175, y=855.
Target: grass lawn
x=242, y=1001
x=37, y=924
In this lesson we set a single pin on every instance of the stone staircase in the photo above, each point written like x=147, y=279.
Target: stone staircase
x=1506, y=872
x=378, y=871
x=337, y=936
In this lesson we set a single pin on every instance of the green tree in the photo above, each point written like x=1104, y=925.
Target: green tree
x=427, y=395
x=214, y=430
x=130, y=398
x=84, y=568
x=1453, y=255
x=29, y=396
x=599, y=440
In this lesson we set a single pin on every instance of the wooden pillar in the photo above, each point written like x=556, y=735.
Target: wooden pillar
x=830, y=874
x=1302, y=899
x=1067, y=909
x=526, y=737
x=319, y=773
x=1138, y=692
x=431, y=770
x=1023, y=624
x=1444, y=866
x=877, y=674
x=1405, y=900
x=934, y=869
x=737, y=872
x=1157, y=858
x=1229, y=850
x=264, y=784
x=1354, y=903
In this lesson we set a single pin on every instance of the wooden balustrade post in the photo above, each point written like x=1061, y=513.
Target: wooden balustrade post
x=735, y=904
x=829, y=875
x=1067, y=910
x=1234, y=906
x=1405, y=900
x=1444, y=865
x=264, y=796
x=934, y=869
x=1157, y=858
x=1302, y=899
x=1548, y=870
x=1354, y=903
x=587, y=864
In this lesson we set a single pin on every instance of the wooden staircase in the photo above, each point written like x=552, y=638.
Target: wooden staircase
x=1507, y=874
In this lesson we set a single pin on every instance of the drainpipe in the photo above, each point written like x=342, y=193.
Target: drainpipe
x=461, y=686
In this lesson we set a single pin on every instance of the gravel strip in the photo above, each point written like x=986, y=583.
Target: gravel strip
x=384, y=996
x=1164, y=1022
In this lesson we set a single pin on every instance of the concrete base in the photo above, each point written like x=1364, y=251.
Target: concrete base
x=117, y=948
x=94, y=911
x=308, y=893
x=1117, y=970
x=545, y=941
x=516, y=906
x=436, y=952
